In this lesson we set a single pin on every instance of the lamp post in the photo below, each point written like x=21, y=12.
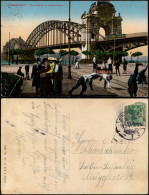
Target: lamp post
x=131, y=56
x=114, y=52
x=69, y=65
x=9, y=50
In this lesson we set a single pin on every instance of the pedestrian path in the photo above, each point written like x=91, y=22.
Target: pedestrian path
x=119, y=84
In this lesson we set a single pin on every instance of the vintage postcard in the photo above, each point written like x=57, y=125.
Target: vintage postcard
x=70, y=146
x=74, y=49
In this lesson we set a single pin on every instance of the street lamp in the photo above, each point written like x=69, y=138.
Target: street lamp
x=114, y=52
x=9, y=50
x=131, y=55
x=69, y=65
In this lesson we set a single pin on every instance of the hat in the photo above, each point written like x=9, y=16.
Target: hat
x=52, y=59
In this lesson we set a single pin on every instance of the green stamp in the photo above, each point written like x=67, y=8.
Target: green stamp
x=135, y=115
x=131, y=123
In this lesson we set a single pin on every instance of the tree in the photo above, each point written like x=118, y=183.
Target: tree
x=120, y=54
x=74, y=53
x=137, y=54
x=63, y=52
x=38, y=52
x=97, y=53
x=49, y=51
x=86, y=53
x=106, y=54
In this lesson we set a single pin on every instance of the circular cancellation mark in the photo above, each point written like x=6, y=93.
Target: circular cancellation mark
x=128, y=132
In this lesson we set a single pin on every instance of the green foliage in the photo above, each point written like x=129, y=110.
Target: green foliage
x=121, y=53
x=10, y=81
x=16, y=51
x=137, y=54
x=63, y=52
x=74, y=53
x=19, y=51
x=49, y=51
x=40, y=52
x=108, y=53
x=86, y=53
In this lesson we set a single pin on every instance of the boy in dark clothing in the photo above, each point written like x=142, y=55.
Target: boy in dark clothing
x=27, y=71
x=117, y=65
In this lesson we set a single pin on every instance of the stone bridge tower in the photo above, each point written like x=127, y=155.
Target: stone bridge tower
x=101, y=14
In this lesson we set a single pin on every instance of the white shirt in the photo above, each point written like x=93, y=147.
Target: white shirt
x=109, y=61
x=91, y=76
x=56, y=67
x=94, y=59
x=105, y=77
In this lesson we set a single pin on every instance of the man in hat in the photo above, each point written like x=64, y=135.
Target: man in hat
x=36, y=70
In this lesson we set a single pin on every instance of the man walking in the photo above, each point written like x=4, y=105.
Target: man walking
x=125, y=66
x=27, y=71
x=117, y=65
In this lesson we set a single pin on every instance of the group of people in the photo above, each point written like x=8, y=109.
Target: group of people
x=104, y=73
x=19, y=72
x=110, y=65
x=135, y=79
x=47, y=77
x=101, y=73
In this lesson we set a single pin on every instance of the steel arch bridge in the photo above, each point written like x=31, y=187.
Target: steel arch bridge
x=129, y=42
x=54, y=32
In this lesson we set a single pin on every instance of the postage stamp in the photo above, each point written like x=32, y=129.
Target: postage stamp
x=131, y=123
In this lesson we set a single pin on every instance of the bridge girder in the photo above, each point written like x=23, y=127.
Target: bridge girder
x=62, y=26
x=125, y=43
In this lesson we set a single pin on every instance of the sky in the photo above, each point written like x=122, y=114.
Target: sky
x=21, y=17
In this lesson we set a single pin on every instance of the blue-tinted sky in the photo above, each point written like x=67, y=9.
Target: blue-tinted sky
x=130, y=10
x=22, y=20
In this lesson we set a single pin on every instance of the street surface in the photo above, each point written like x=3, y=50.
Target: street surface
x=119, y=84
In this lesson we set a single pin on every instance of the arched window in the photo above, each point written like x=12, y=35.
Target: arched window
x=102, y=32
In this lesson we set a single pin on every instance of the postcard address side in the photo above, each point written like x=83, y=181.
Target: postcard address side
x=66, y=146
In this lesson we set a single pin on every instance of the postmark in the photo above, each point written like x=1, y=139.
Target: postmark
x=131, y=123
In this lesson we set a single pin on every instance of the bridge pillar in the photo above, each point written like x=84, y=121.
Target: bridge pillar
x=101, y=14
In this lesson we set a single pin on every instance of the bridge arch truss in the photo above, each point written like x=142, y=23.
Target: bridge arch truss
x=54, y=32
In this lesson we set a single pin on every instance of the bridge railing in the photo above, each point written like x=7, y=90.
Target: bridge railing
x=115, y=36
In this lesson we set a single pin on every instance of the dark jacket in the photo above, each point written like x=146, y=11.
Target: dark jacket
x=27, y=68
x=36, y=70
